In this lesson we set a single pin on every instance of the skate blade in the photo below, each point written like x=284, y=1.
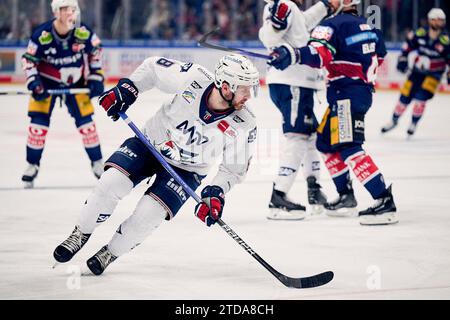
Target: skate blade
x=342, y=213
x=279, y=214
x=315, y=209
x=378, y=219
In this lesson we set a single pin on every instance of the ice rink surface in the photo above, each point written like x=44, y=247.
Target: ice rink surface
x=183, y=259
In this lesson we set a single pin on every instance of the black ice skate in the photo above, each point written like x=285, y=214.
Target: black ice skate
x=411, y=129
x=389, y=126
x=344, y=206
x=97, y=168
x=98, y=263
x=280, y=208
x=381, y=213
x=66, y=250
x=29, y=175
x=316, y=198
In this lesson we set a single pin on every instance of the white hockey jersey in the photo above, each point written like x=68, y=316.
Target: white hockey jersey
x=300, y=23
x=186, y=132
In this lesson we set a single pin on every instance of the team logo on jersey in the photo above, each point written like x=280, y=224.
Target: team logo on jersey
x=195, y=85
x=227, y=129
x=237, y=119
x=188, y=96
x=207, y=116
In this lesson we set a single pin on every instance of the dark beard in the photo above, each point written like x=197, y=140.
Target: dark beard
x=436, y=28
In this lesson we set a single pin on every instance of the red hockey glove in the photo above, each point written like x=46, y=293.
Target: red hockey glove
x=119, y=98
x=210, y=210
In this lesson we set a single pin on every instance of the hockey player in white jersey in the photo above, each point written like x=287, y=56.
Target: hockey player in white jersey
x=292, y=91
x=207, y=117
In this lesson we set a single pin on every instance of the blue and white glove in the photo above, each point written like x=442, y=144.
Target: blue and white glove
x=211, y=207
x=119, y=98
x=279, y=13
x=284, y=56
x=37, y=89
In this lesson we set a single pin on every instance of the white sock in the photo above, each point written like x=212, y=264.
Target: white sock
x=311, y=162
x=292, y=154
x=147, y=216
x=112, y=187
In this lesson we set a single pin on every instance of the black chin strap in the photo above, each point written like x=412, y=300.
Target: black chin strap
x=230, y=102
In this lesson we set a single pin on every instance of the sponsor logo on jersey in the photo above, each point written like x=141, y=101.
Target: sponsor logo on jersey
x=285, y=171
x=45, y=38
x=365, y=27
x=227, y=129
x=252, y=135
x=82, y=33
x=322, y=33
x=64, y=61
x=205, y=73
x=127, y=152
x=177, y=188
x=77, y=47
x=103, y=217
x=238, y=119
x=422, y=42
x=185, y=67
x=368, y=47
x=32, y=48
x=188, y=96
x=50, y=50
x=195, y=85
x=344, y=121
x=95, y=41
x=359, y=124
x=194, y=135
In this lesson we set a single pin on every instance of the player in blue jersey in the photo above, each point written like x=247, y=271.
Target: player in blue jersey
x=432, y=48
x=62, y=53
x=351, y=50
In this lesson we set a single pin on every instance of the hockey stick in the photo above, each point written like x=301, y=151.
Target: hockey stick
x=202, y=42
x=306, y=282
x=50, y=91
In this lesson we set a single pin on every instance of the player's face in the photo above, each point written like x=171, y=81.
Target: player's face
x=67, y=16
x=241, y=96
x=437, y=24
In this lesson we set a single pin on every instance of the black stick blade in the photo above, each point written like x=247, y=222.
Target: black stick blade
x=307, y=282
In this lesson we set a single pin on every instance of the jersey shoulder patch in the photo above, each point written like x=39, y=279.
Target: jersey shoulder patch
x=82, y=33
x=322, y=33
x=444, y=39
x=421, y=32
x=45, y=38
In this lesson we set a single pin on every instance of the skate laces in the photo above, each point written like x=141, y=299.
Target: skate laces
x=75, y=240
x=105, y=257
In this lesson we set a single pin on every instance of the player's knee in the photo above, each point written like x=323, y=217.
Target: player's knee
x=351, y=151
x=148, y=214
x=114, y=184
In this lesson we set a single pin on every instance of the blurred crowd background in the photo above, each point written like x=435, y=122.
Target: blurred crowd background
x=186, y=20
